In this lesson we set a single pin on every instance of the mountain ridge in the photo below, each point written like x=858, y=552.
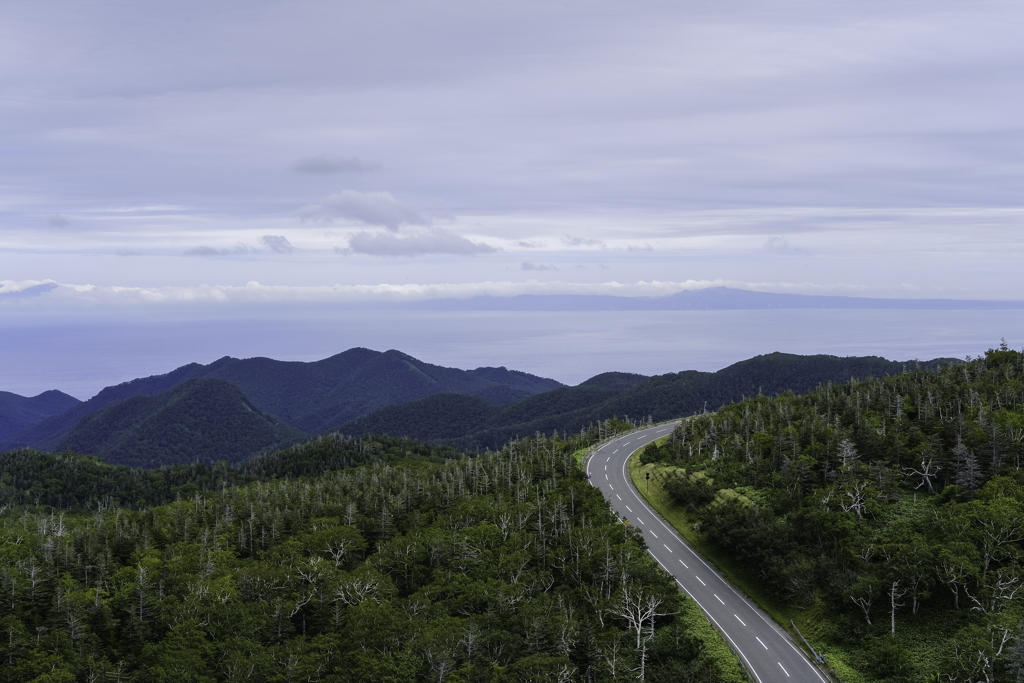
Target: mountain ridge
x=446, y=419
x=309, y=396
x=18, y=413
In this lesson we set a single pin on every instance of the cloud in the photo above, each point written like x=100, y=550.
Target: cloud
x=368, y=208
x=210, y=251
x=572, y=241
x=637, y=247
x=277, y=243
x=57, y=221
x=26, y=290
x=204, y=251
x=780, y=244
x=433, y=241
x=127, y=252
x=329, y=164
x=526, y=244
x=529, y=265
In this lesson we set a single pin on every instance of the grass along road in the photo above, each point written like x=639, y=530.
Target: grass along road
x=808, y=620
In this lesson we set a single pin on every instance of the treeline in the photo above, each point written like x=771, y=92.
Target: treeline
x=470, y=423
x=504, y=567
x=70, y=481
x=894, y=506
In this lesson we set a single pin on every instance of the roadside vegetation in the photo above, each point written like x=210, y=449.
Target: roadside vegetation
x=884, y=516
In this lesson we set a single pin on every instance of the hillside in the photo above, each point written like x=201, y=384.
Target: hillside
x=311, y=397
x=198, y=420
x=506, y=568
x=474, y=424
x=884, y=515
x=74, y=482
x=18, y=413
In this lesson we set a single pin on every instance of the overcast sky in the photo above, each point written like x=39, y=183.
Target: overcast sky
x=304, y=150
x=869, y=147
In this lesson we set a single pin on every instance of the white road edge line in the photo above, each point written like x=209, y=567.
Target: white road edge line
x=731, y=587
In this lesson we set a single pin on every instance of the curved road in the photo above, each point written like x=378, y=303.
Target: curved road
x=766, y=650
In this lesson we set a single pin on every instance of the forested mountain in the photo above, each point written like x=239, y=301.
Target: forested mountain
x=475, y=424
x=18, y=413
x=505, y=568
x=892, y=509
x=311, y=397
x=200, y=419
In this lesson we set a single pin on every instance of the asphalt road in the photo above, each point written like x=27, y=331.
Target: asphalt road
x=767, y=651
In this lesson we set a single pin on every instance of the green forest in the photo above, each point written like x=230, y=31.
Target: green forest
x=887, y=513
x=339, y=560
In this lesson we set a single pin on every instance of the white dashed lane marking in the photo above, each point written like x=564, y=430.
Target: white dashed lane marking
x=629, y=508
x=699, y=579
x=762, y=643
x=783, y=669
x=741, y=621
x=667, y=548
x=719, y=599
x=618, y=496
x=684, y=564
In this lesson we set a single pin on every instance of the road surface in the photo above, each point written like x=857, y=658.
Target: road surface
x=767, y=651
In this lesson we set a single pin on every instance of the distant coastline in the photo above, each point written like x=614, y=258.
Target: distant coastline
x=709, y=299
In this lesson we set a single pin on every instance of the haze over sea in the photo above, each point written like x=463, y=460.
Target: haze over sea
x=80, y=358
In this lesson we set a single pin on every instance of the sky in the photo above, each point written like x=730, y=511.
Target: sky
x=191, y=159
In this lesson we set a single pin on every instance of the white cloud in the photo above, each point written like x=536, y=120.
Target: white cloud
x=367, y=208
x=431, y=241
x=530, y=265
x=327, y=164
x=277, y=243
x=573, y=241
x=204, y=250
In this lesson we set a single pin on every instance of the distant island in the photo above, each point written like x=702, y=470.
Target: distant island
x=707, y=299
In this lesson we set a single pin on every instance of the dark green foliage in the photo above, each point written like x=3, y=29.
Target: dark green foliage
x=18, y=413
x=895, y=506
x=199, y=420
x=506, y=567
x=476, y=425
x=69, y=481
